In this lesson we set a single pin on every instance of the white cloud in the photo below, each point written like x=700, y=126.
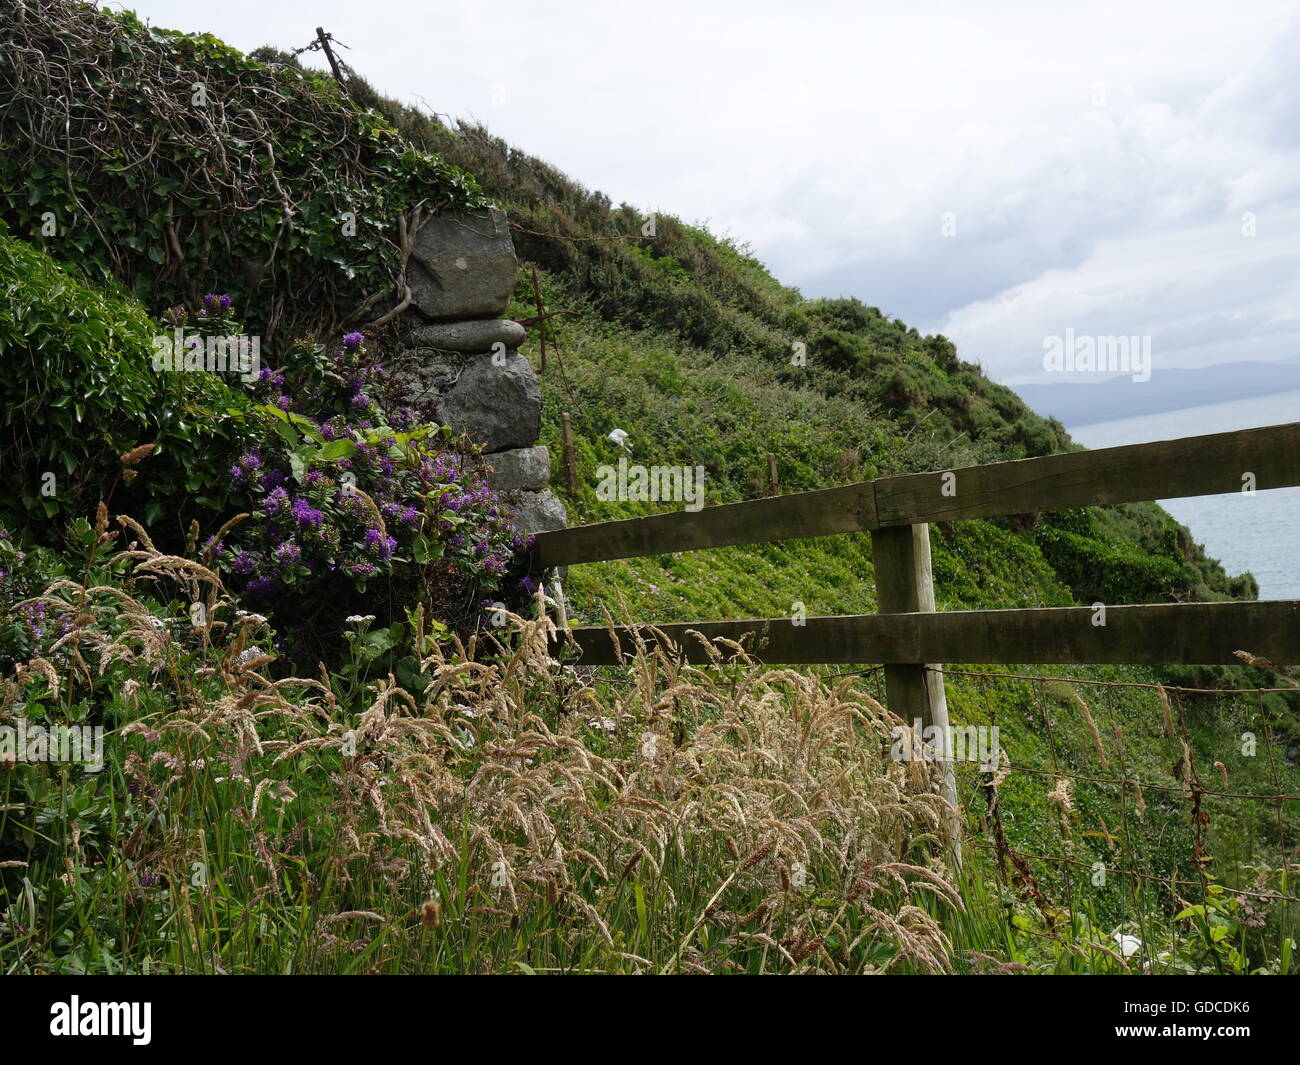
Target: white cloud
x=833, y=135
x=1204, y=294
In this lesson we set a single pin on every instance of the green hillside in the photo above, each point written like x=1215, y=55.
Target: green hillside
x=684, y=341
x=422, y=802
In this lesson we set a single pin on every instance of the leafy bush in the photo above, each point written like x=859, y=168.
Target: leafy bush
x=80, y=390
x=175, y=160
x=80, y=364
x=336, y=489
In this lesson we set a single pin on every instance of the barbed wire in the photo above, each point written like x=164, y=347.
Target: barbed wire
x=1152, y=685
x=1013, y=863
x=1134, y=782
x=1269, y=896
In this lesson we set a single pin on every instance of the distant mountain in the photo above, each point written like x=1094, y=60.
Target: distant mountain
x=1074, y=403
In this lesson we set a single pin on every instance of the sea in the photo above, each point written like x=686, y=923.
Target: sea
x=1268, y=543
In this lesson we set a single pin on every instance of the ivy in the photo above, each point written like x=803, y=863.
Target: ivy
x=80, y=389
x=162, y=159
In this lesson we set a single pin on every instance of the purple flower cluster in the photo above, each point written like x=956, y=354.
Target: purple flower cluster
x=24, y=575
x=287, y=553
x=214, y=306
x=381, y=545
x=308, y=527
x=275, y=502
x=306, y=515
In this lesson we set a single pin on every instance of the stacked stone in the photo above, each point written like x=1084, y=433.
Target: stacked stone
x=460, y=365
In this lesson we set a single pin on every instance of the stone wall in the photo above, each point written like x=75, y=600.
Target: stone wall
x=459, y=363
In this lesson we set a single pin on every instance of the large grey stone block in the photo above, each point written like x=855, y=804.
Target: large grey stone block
x=538, y=512
x=499, y=406
x=496, y=400
x=420, y=377
x=522, y=469
x=463, y=265
x=472, y=337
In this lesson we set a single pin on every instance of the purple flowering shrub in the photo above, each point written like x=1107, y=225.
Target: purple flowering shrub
x=338, y=490
x=26, y=628
x=214, y=316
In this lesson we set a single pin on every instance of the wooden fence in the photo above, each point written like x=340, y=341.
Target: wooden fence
x=907, y=636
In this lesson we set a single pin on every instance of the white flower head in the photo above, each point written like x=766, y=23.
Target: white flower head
x=1128, y=945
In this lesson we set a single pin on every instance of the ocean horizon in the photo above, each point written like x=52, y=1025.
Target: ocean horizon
x=1259, y=534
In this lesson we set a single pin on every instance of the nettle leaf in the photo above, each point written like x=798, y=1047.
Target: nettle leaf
x=424, y=550
x=410, y=676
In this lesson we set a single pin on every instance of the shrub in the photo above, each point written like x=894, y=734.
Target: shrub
x=337, y=490
x=176, y=161
x=80, y=365
x=80, y=390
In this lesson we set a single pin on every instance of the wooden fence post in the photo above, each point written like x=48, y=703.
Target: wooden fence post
x=773, y=485
x=905, y=585
x=570, y=463
x=323, y=39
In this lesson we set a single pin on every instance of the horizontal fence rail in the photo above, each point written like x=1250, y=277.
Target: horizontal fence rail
x=1179, y=633
x=910, y=637
x=1132, y=473
x=1167, y=469
x=824, y=512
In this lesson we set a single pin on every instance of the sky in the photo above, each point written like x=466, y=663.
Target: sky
x=999, y=172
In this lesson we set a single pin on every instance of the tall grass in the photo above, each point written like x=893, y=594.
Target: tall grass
x=502, y=811
x=489, y=806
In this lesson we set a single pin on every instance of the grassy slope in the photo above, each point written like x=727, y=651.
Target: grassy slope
x=684, y=341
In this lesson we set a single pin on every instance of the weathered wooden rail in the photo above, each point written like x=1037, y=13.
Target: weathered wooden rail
x=1169, y=469
x=897, y=510
x=908, y=635
x=1201, y=633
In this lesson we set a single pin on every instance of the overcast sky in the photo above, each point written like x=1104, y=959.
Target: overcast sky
x=1096, y=166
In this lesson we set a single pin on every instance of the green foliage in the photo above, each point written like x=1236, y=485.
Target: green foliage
x=1221, y=935
x=79, y=366
x=76, y=370
x=1133, y=554
x=177, y=164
